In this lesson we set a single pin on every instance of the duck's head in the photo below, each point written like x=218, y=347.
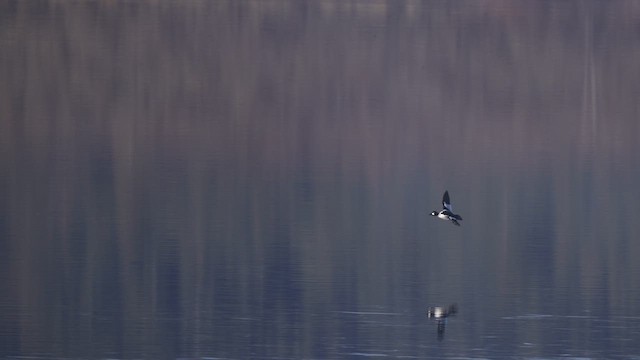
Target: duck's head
x=434, y=213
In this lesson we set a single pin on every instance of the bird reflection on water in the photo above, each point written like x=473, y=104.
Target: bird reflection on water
x=440, y=314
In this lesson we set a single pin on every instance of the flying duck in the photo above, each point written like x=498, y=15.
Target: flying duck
x=447, y=213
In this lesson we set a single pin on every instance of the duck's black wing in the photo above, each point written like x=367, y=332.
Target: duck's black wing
x=446, y=202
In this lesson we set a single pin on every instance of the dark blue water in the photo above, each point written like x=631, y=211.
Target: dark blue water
x=253, y=179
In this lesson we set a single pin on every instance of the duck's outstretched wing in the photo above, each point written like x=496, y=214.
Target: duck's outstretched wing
x=446, y=202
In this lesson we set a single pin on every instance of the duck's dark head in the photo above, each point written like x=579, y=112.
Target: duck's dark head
x=434, y=213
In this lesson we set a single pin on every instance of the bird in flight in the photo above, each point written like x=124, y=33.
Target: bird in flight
x=447, y=212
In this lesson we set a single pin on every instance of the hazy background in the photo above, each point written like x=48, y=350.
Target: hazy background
x=252, y=179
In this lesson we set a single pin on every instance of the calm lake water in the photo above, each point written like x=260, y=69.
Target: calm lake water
x=253, y=179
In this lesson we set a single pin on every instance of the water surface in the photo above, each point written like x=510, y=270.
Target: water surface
x=252, y=179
